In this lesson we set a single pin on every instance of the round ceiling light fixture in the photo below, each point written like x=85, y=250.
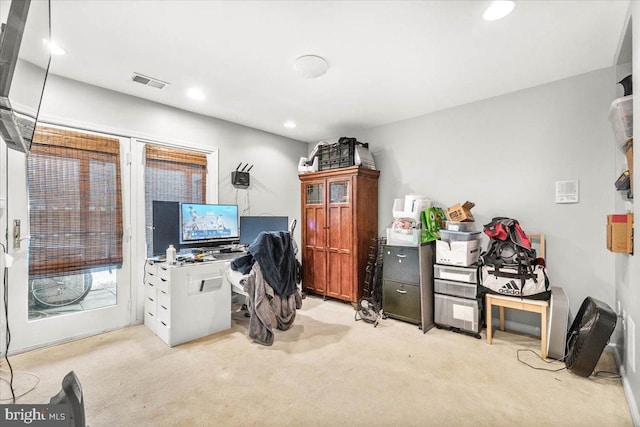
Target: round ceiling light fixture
x=310, y=66
x=290, y=124
x=498, y=10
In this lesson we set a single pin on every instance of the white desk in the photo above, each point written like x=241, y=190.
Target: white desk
x=188, y=301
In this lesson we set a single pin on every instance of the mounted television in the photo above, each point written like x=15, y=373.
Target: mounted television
x=24, y=64
x=251, y=226
x=208, y=224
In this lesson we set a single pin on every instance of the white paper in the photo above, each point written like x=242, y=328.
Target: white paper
x=462, y=312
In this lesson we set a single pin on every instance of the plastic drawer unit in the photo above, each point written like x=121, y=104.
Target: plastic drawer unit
x=456, y=303
x=401, y=283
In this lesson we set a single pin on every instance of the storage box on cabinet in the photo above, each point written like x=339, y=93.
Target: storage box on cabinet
x=457, y=312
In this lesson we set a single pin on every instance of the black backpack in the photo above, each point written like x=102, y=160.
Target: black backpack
x=509, y=265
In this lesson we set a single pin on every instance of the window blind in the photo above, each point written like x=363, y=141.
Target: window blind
x=172, y=175
x=75, y=202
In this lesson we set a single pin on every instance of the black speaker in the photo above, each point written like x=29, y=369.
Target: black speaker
x=589, y=335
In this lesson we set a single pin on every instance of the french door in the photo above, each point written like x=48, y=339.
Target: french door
x=48, y=310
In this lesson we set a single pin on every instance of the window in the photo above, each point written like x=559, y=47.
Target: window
x=75, y=205
x=75, y=217
x=172, y=175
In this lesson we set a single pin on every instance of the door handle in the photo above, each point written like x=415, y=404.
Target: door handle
x=401, y=291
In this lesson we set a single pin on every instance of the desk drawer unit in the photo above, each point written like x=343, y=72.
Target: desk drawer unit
x=401, y=300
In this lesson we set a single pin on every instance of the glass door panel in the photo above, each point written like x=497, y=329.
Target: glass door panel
x=339, y=192
x=315, y=194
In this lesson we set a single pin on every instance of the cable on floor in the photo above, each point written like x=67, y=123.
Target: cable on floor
x=26, y=392
x=608, y=375
x=544, y=360
x=8, y=331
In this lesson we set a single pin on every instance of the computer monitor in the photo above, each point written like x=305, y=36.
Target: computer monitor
x=208, y=224
x=251, y=226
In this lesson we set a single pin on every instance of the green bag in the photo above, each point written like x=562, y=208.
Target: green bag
x=433, y=220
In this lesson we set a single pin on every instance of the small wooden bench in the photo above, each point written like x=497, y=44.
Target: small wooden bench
x=535, y=306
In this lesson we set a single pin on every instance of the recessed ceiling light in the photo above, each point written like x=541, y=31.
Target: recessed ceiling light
x=310, y=66
x=196, y=94
x=290, y=124
x=498, y=9
x=53, y=47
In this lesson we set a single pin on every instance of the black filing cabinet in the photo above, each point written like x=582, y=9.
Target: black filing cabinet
x=401, y=283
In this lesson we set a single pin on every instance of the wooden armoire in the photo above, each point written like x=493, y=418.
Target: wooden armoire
x=339, y=218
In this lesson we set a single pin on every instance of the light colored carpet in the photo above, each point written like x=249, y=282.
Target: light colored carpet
x=328, y=370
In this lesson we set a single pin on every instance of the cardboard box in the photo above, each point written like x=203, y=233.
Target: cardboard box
x=620, y=233
x=461, y=213
x=457, y=253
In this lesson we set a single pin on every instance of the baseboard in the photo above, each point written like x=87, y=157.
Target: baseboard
x=628, y=393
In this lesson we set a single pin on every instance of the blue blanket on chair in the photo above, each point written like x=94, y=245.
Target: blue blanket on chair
x=275, y=252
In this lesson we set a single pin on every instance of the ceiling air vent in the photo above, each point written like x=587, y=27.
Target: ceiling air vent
x=148, y=81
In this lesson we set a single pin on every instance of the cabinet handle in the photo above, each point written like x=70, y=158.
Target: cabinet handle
x=163, y=307
x=401, y=291
x=401, y=255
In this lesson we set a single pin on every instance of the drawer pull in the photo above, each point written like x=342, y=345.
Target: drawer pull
x=163, y=306
x=163, y=291
x=401, y=255
x=163, y=323
x=150, y=299
x=151, y=285
x=401, y=291
x=150, y=313
x=164, y=280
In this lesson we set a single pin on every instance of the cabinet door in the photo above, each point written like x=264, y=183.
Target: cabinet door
x=340, y=259
x=314, y=262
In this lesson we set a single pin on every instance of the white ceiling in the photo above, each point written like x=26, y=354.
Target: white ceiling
x=388, y=60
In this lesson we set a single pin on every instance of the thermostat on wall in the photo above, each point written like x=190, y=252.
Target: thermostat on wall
x=567, y=191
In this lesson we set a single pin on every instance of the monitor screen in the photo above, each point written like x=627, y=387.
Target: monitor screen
x=251, y=226
x=200, y=223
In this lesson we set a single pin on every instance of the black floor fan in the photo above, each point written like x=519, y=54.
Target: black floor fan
x=588, y=336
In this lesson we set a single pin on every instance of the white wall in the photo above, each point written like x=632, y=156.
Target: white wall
x=274, y=189
x=628, y=267
x=505, y=154
x=275, y=186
